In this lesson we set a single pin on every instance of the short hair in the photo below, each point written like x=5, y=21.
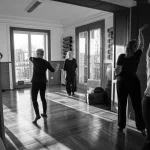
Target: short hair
x=67, y=54
x=40, y=51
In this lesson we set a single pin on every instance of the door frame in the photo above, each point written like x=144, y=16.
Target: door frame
x=88, y=27
x=12, y=29
x=2, y=129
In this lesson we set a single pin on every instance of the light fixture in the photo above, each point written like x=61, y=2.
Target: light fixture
x=33, y=5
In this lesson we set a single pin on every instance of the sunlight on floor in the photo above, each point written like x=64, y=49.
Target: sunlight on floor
x=39, y=135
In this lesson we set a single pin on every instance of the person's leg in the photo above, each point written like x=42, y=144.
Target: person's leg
x=135, y=95
x=146, y=113
x=68, y=85
x=122, y=103
x=73, y=82
x=42, y=94
x=34, y=93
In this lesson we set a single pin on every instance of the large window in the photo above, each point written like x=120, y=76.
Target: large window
x=25, y=44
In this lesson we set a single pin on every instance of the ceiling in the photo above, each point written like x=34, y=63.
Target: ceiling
x=53, y=11
x=126, y=3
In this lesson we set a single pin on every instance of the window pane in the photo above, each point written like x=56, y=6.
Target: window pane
x=21, y=57
x=37, y=41
x=95, y=47
x=83, y=57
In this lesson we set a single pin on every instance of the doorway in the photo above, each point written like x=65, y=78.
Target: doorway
x=24, y=44
x=90, y=43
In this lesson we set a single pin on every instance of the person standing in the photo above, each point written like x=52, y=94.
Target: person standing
x=39, y=80
x=146, y=100
x=129, y=84
x=70, y=66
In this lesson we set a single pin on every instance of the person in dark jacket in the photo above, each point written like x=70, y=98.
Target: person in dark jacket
x=39, y=81
x=70, y=66
x=129, y=84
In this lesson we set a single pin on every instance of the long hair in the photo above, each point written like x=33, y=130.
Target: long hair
x=131, y=46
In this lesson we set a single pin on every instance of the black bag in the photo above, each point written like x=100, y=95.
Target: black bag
x=97, y=96
x=98, y=90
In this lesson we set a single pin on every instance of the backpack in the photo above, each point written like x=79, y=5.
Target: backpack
x=98, y=90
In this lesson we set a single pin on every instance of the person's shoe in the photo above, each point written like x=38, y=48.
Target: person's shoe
x=146, y=145
x=73, y=94
x=36, y=118
x=120, y=129
x=44, y=115
x=143, y=133
x=69, y=94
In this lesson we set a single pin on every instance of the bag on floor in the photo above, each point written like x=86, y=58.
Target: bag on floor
x=97, y=96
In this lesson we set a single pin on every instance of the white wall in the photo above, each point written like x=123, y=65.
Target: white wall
x=56, y=36
x=70, y=30
x=4, y=43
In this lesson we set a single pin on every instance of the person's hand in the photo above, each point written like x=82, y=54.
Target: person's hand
x=143, y=27
x=118, y=69
x=57, y=67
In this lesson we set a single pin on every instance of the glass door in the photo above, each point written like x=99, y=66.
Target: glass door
x=95, y=55
x=83, y=57
x=89, y=53
x=21, y=57
x=25, y=46
x=90, y=56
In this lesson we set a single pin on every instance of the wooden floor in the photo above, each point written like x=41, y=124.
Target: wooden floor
x=71, y=124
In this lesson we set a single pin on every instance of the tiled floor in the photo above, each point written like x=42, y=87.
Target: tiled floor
x=71, y=124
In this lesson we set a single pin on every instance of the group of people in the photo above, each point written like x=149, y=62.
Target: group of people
x=129, y=84
x=39, y=80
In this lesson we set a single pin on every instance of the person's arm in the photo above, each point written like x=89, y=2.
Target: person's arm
x=76, y=63
x=141, y=38
x=148, y=52
x=148, y=68
x=76, y=67
x=50, y=68
x=118, y=69
x=32, y=59
x=118, y=66
x=65, y=68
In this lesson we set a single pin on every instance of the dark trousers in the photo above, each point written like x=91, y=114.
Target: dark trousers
x=146, y=114
x=34, y=92
x=129, y=86
x=70, y=84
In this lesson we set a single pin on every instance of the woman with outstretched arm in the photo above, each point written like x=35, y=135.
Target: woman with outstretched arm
x=128, y=83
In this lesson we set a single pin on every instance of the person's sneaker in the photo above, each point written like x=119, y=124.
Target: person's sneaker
x=143, y=133
x=44, y=115
x=36, y=118
x=73, y=94
x=146, y=145
x=120, y=129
